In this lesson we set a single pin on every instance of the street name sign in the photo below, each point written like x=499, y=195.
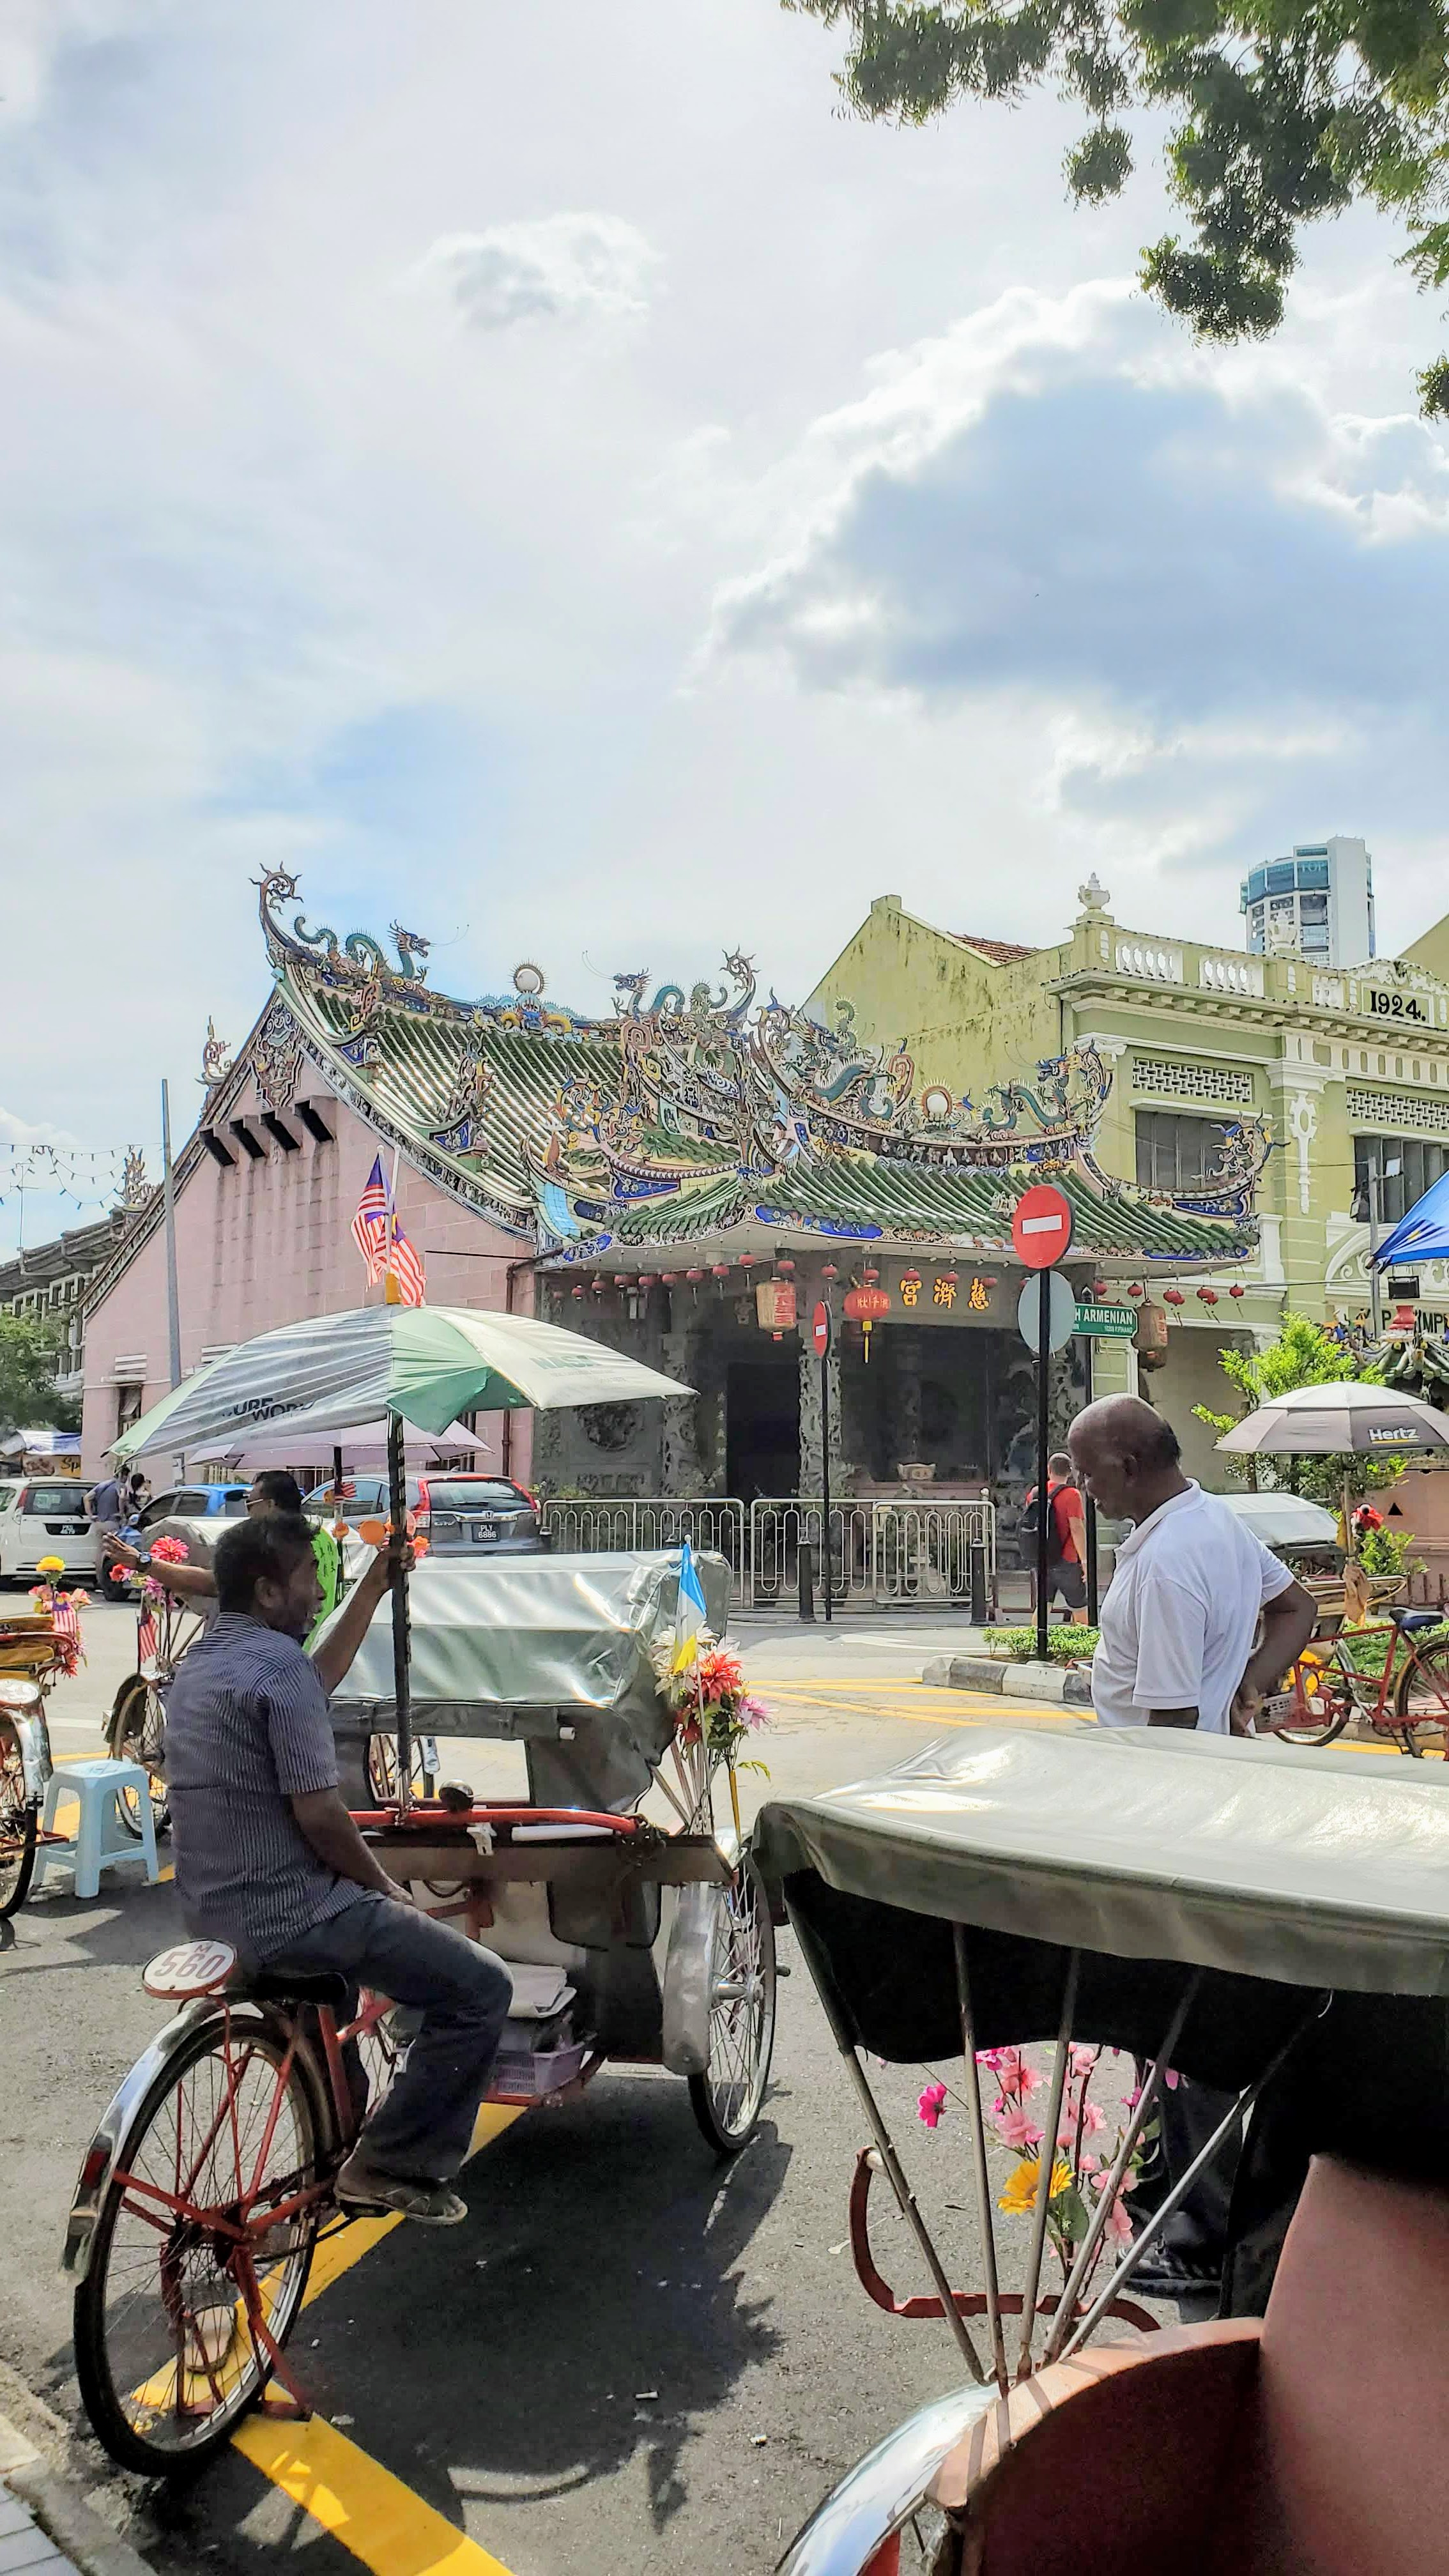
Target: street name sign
x=1107, y=1323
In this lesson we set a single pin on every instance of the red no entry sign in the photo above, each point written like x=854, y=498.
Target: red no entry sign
x=1041, y=1229
x=820, y=1329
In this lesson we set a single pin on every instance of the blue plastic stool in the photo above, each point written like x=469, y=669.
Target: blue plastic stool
x=101, y=1840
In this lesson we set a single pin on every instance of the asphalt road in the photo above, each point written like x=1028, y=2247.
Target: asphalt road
x=631, y=2356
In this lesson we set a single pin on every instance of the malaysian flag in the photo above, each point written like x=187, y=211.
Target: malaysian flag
x=383, y=1247
x=145, y=1637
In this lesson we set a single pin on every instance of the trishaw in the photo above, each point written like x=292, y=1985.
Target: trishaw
x=1218, y=1912
x=203, y=2193
x=36, y=1647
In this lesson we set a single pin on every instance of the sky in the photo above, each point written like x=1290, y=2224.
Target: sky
x=547, y=476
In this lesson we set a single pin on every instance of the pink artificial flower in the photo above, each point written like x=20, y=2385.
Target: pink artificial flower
x=930, y=2105
x=1012, y=2124
x=1015, y=2073
x=1093, y=2117
x=1171, y=2078
x=171, y=1551
x=753, y=1712
x=1082, y=2058
x=1119, y=2225
x=1087, y=2162
x=1131, y=2100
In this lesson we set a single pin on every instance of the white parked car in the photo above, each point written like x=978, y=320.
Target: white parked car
x=44, y=1516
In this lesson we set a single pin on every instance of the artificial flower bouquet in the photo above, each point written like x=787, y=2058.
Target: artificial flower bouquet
x=1083, y=2153
x=703, y=1687
x=63, y=1609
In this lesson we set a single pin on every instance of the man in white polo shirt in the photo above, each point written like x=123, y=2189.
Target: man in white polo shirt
x=1181, y=1615
x=1179, y=1623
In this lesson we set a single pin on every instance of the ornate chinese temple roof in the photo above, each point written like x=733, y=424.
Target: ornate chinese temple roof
x=688, y=1117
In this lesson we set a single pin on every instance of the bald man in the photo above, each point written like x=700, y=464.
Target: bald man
x=1191, y=1585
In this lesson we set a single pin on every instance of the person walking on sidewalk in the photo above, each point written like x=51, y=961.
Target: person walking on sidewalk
x=1066, y=1537
x=269, y=1860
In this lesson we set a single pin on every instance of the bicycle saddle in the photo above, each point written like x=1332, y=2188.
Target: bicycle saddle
x=291, y=1986
x=1409, y=1621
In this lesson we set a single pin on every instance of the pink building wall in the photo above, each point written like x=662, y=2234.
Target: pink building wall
x=269, y=1242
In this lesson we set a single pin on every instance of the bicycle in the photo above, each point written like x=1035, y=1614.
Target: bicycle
x=1404, y=1688
x=35, y=1650
x=135, y=1730
x=202, y=2197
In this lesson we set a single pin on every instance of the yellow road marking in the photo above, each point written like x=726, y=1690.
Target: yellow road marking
x=372, y=2513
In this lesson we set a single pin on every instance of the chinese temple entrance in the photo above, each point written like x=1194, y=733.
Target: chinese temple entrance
x=762, y=1434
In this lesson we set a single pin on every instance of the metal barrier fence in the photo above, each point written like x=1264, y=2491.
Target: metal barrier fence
x=902, y=1554
x=713, y=1521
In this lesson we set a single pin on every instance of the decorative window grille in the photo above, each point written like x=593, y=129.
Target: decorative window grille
x=1397, y=1109
x=1171, y=1080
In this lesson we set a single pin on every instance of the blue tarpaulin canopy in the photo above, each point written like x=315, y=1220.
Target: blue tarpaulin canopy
x=1422, y=1235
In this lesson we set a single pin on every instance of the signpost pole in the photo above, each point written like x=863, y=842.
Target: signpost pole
x=822, y=1326
x=1043, y=1448
x=825, y=1565
x=1089, y=1505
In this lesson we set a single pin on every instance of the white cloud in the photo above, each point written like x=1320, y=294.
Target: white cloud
x=563, y=268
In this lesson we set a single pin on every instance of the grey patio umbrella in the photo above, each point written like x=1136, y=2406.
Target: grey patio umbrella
x=1347, y=1414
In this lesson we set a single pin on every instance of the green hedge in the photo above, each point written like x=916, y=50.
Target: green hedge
x=1067, y=1644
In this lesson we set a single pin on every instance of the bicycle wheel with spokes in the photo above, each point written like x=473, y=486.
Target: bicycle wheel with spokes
x=382, y=1768
x=727, y=2097
x=1321, y=1706
x=138, y=1734
x=1423, y=1692
x=19, y=1823
x=168, y=2349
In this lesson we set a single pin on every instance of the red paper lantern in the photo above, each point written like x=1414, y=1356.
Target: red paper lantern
x=1173, y=1297
x=577, y=1289
x=622, y=1279
x=1208, y=1296
x=1101, y=1288
x=747, y=1261
x=1135, y=1288
x=865, y=1306
x=721, y=1270
x=1237, y=1289
x=828, y=1270
x=870, y=1277
x=667, y=1278
x=785, y=1268
x=694, y=1277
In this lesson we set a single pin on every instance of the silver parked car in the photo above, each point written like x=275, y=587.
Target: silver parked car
x=458, y=1515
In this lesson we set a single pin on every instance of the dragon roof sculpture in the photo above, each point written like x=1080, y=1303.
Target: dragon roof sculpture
x=689, y=1114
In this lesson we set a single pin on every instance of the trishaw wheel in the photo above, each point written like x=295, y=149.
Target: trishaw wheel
x=19, y=1824
x=138, y=1734
x=728, y=2096
x=167, y=2355
x=382, y=1770
x=1423, y=1692
x=1322, y=1705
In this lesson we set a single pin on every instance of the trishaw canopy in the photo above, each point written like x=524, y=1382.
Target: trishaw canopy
x=1146, y=1843
x=522, y=1646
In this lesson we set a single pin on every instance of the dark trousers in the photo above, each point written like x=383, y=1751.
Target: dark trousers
x=462, y=1993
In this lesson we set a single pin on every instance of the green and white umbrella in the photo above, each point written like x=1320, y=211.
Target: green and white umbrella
x=424, y=1364
x=417, y=1364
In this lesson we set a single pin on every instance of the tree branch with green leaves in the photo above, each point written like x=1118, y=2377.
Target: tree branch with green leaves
x=1284, y=110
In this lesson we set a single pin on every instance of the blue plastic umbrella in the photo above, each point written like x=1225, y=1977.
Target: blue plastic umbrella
x=1422, y=1235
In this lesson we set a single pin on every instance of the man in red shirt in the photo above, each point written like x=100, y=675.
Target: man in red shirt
x=1066, y=1538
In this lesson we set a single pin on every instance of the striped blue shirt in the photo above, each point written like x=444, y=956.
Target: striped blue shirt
x=247, y=1730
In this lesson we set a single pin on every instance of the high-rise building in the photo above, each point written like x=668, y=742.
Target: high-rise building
x=1318, y=904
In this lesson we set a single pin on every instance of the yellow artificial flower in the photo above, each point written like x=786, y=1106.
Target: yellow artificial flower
x=1020, y=2193
x=50, y=1565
